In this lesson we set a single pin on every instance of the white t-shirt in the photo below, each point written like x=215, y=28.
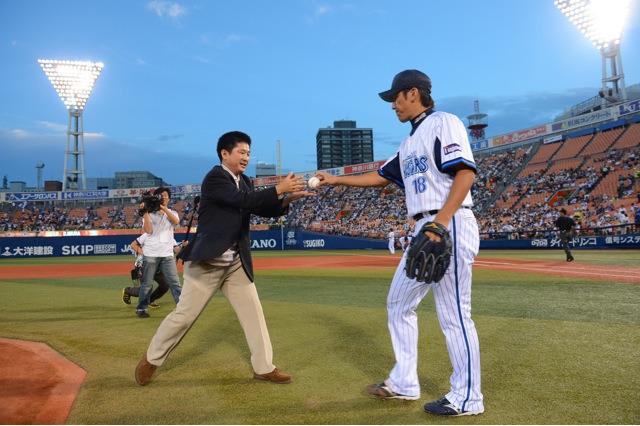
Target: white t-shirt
x=141, y=242
x=160, y=242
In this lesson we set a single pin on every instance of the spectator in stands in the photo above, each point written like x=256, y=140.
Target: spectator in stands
x=158, y=250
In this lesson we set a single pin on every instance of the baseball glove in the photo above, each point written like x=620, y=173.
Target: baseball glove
x=427, y=260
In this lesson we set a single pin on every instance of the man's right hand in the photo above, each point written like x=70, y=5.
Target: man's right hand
x=291, y=183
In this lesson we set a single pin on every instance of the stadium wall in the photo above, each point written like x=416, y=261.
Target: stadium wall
x=287, y=239
x=12, y=247
x=626, y=241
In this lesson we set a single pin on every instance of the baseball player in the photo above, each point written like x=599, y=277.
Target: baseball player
x=435, y=166
x=392, y=242
x=566, y=225
x=405, y=241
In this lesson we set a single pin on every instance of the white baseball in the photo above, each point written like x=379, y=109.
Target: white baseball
x=313, y=182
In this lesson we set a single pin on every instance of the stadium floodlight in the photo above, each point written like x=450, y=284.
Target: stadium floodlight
x=601, y=22
x=73, y=81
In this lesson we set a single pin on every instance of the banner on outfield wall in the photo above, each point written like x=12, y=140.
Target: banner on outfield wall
x=630, y=241
x=85, y=195
x=30, y=196
x=592, y=118
x=521, y=135
x=287, y=239
x=552, y=139
x=629, y=108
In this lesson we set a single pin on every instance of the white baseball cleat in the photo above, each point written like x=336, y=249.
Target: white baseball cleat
x=383, y=391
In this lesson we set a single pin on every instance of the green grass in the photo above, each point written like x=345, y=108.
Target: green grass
x=555, y=350
x=629, y=257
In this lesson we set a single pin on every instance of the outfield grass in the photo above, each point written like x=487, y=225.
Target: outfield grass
x=555, y=350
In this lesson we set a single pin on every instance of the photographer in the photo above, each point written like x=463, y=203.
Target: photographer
x=158, y=222
x=128, y=292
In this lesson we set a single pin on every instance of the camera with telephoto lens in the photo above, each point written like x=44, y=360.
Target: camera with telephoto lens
x=151, y=203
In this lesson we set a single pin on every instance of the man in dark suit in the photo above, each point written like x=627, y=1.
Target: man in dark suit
x=219, y=258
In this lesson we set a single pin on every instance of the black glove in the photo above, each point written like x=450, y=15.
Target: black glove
x=427, y=260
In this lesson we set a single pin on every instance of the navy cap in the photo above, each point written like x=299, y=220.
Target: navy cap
x=406, y=80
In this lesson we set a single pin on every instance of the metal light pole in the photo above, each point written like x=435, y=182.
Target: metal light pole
x=73, y=80
x=601, y=22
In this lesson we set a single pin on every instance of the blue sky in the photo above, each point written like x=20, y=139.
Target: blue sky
x=178, y=74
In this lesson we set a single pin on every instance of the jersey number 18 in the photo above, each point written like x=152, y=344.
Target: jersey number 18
x=420, y=185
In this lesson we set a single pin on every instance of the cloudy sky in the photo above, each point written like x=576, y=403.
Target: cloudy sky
x=179, y=74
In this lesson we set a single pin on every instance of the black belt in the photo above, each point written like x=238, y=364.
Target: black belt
x=432, y=212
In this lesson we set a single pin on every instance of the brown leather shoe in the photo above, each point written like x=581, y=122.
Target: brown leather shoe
x=144, y=371
x=276, y=376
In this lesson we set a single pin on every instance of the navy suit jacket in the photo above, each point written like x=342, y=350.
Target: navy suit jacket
x=223, y=217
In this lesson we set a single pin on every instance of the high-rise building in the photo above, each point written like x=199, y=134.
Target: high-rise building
x=100, y=183
x=265, y=169
x=344, y=144
x=138, y=179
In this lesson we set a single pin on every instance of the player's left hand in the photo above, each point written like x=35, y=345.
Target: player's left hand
x=427, y=259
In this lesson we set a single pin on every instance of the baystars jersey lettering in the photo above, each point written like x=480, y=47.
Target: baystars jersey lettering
x=425, y=162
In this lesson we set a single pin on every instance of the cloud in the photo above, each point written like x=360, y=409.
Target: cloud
x=103, y=157
x=89, y=135
x=222, y=42
x=235, y=38
x=167, y=9
x=57, y=127
x=507, y=114
x=164, y=138
x=19, y=134
x=56, y=130
x=322, y=9
x=319, y=10
x=202, y=59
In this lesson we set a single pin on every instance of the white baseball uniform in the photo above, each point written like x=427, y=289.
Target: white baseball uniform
x=392, y=242
x=423, y=166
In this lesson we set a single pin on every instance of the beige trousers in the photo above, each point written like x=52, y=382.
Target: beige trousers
x=201, y=282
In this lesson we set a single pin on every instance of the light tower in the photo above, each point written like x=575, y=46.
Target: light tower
x=477, y=122
x=39, y=168
x=601, y=22
x=73, y=80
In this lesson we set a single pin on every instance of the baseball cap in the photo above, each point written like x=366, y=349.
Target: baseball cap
x=406, y=80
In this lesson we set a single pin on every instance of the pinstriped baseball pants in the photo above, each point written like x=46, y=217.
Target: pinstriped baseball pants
x=453, y=307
